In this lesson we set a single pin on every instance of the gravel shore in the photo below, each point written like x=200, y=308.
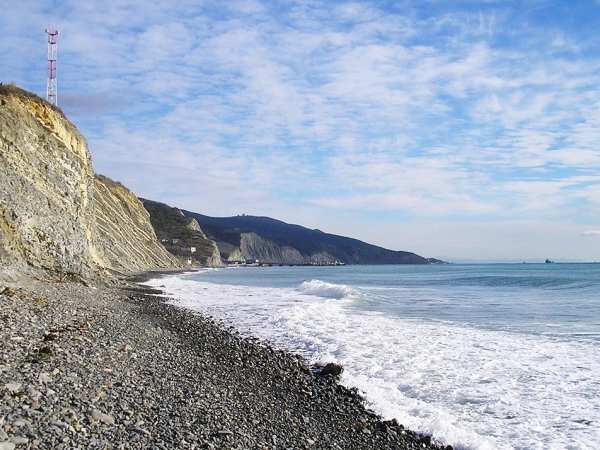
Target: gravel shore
x=114, y=367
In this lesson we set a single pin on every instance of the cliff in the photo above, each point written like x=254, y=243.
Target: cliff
x=54, y=214
x=179, y=234
x=252, y=246
x=276, y=242
x=124, y=233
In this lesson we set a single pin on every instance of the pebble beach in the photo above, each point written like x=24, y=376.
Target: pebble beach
x=116, y=367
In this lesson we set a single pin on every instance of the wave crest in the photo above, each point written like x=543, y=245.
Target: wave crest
x=327, y=290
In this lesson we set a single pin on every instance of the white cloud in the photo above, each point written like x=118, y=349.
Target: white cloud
x=332, y=107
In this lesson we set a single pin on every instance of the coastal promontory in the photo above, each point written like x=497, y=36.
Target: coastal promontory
x=56, y=215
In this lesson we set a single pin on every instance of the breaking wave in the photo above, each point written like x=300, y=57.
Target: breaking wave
x=327, y=290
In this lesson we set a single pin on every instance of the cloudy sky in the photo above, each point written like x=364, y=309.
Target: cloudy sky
x=455, y=129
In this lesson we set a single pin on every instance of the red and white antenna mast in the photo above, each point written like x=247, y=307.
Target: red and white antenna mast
x=51, y=90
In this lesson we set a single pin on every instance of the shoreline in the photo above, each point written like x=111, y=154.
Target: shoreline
x=118, y=367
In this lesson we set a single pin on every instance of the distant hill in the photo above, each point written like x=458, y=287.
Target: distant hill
x=273, y=241
x=178, y=233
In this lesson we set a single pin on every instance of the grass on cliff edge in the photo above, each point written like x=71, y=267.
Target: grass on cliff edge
x=13, y=89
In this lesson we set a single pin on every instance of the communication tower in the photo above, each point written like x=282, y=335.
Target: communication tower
x=51, y=89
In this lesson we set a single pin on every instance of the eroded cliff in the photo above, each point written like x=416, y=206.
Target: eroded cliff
x=54, y=215
x=255, y=247
x=125, y=236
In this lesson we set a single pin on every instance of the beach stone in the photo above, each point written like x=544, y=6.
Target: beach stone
x=13, y=387
x=19, y=440
x=60, y=424
x=331, y=369
x=7, y=446
x=44, y=378
x=33, y=393
x=102, y=417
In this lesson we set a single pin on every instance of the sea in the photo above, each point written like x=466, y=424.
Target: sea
x=480, y=356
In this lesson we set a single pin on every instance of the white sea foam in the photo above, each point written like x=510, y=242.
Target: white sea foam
x=327, y=290
x=469, y=387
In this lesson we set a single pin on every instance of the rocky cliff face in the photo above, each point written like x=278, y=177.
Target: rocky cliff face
x=253, y=246
x=46, y=184
x=125, y=236
x=179, y=234
x=54, y=215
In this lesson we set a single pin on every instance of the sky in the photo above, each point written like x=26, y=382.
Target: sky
x=458, y=129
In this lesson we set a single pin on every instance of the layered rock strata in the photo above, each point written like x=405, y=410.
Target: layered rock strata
x=54, y=214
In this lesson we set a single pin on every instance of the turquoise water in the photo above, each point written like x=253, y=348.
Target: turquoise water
x=495, y=356
x=552, y=299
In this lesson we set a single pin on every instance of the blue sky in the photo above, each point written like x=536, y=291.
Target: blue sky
x=456, y=129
